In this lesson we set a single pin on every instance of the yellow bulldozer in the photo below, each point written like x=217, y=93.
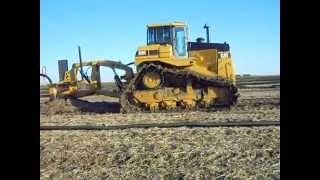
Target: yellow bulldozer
x=172, y=73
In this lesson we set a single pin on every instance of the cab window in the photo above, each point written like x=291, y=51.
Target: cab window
x=159, y=35
x=180, y=39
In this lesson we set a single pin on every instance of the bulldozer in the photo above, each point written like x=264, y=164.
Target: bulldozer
x=172, y=73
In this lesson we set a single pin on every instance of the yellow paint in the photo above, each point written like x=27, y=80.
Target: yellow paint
x=207, y=62
x=151, y=80
x=67, y=77
x=175, y=23
x=204, y=62
x=53, y=92
x=69, y=86
x=167, y=98
x=165, y=56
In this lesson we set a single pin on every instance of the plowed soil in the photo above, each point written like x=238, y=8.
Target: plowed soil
x=172, y=153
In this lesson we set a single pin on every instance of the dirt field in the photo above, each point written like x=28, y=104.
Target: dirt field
x=172, y=153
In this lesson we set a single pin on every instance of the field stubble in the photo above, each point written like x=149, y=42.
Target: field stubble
x=172, y=153
x=205, y=153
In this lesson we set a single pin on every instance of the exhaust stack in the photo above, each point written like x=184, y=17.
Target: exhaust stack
x=207, y=31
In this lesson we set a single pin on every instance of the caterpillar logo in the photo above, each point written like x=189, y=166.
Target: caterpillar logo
x=223, y=55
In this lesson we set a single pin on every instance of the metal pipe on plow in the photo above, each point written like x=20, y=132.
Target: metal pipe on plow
x=80, y=60
x=164, y=125
x=83, y=75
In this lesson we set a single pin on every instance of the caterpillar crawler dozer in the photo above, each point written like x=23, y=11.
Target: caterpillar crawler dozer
x=173, y=73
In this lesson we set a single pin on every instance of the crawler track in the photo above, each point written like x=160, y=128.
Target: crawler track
x=128, y=105
x=164, y=125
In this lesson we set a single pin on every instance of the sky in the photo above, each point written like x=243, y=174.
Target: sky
x=114, y=29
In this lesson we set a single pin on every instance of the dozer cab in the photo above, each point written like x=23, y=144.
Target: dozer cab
x=173, y=73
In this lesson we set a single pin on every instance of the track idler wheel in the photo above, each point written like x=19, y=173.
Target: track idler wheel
x=152, y=80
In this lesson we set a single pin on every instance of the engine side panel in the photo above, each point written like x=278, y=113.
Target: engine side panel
x=211, y=62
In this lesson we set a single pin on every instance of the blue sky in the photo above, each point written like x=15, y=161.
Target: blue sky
x=114, y=29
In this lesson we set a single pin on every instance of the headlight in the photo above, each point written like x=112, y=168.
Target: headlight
x=142, y=53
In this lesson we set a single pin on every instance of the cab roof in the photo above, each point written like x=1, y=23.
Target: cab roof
x=175, y=23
